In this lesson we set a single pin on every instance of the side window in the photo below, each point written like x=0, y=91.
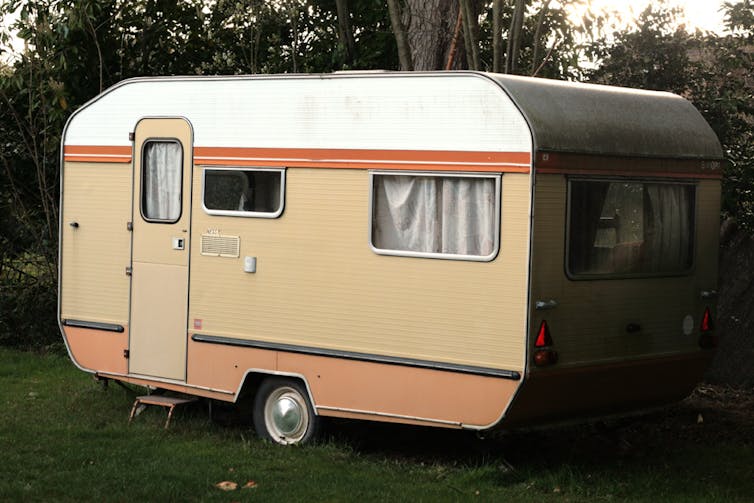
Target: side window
x=244, y=192
x=436, y=216
x=162, y=176
x=629, y=228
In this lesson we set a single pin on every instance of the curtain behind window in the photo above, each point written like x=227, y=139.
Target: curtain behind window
x=162, y=165
x=668, y=217
x=449, y=215
x=630, y=227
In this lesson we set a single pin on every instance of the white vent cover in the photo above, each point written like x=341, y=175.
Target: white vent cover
x=215, y=245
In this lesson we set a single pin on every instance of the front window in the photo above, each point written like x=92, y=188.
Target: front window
x=629, y=228
x=439, y=216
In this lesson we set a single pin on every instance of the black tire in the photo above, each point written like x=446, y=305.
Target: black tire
x=283, y=413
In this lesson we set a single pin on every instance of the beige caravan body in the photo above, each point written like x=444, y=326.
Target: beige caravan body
x=452, y=249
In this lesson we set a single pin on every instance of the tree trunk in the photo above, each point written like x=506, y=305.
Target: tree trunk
x=401, y=39
x=454, y=42
x=345, y=33
x=471, y=28
x=497, y=36
x=514, y=37
x=537, y=37
x=429, y=29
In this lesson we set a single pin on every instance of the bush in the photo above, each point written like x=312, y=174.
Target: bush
x=28, y=296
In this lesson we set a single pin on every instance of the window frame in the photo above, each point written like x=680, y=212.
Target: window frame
x=142, y=196
x=635, y=275
x=496, y=177
x=242, y=213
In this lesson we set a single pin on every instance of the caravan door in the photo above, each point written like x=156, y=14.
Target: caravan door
x=161, y=219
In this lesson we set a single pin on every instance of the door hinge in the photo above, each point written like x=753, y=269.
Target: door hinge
x=131, y=136
x=129, y=226
x=129, y=270
x=126, y=353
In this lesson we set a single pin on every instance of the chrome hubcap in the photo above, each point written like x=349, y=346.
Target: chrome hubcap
x=286, y=416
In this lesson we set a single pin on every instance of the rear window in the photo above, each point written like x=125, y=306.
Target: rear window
x=626, y=228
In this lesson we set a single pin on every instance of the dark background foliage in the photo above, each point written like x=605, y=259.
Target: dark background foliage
x=76, y=49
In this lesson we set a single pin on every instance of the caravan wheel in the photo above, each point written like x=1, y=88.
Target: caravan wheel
x=283, y=413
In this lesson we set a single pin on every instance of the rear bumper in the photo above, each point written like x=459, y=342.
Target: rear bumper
x=583, y=392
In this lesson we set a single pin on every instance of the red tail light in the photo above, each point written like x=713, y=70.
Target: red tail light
x=707, y=324
x=544, y=354
x=543, y=336
x=707, y=339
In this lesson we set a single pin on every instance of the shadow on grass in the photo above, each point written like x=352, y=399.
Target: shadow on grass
x=57, y=426
x=652, y=435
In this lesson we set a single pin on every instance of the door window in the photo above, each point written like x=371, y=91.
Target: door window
x=162, y=173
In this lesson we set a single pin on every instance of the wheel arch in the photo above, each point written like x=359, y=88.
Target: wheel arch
x=253, y=378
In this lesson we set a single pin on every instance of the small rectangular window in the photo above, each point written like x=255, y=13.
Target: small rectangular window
x=244, y=192
x=162, y=177
x=619, y=228
x=436, y=216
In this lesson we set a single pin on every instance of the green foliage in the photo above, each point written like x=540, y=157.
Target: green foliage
x=33, y=108
x=713, y=72
x=77, y=48
x=28, y=298
x=739, y=17
x=549, y=50
x=652, y=55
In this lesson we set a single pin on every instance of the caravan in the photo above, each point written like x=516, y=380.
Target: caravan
x=454, y=249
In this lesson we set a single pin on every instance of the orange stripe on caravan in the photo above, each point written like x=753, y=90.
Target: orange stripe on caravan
x=96, y=153
x=516, y=162
x=519, y=162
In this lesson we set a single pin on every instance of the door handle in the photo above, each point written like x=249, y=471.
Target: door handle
x=542, y=305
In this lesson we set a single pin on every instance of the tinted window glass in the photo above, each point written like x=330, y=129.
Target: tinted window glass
x=243, y=192
x=630, y=227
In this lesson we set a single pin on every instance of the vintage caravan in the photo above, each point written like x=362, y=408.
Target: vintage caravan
x=462, y=250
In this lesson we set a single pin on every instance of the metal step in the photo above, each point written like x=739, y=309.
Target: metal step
x=169, y=402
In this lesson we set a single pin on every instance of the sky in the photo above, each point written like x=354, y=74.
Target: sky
x=703, y=14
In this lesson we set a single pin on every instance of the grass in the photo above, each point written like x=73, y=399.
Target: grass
x=64, y=438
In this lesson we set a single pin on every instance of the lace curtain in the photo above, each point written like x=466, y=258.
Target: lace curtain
x=162, y=180
x=445, y=215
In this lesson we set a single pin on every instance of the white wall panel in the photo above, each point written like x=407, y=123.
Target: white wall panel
x=460, y=112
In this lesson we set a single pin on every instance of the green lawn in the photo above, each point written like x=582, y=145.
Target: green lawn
x=64, y=438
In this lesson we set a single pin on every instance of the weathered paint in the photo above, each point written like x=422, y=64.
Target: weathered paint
x=319, y=285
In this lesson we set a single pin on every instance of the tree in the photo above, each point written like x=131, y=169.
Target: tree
x=712, y=72
x=652, y=55
x=423, y=31
x=78, y=48
x=345, y=33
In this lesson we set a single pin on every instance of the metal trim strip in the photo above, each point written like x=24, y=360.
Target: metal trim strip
x=351, y=355
x=94, y=325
